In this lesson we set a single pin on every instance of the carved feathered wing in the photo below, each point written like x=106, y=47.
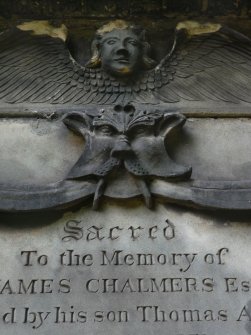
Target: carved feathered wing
x=214, y=67
x=40, y=69
x=35, y=69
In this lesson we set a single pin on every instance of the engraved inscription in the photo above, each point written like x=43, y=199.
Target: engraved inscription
x=76, y=230
x=161, y=281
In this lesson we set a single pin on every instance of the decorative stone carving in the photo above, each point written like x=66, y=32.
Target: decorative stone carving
x=124, y=269
x=125, y=103
x=208, y=67
x=126, y=138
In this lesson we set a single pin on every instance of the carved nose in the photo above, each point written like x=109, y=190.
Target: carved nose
x=121, y=148
x=122, y=51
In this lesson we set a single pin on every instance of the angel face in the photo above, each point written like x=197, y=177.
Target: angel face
x=120, y=52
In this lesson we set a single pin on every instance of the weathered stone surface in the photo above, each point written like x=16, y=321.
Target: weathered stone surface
x=46, y=150
x=215, y=148
x=125, y=269
x=128, y=264
x=43, y=153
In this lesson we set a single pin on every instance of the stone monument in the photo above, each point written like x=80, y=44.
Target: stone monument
x=125, y=182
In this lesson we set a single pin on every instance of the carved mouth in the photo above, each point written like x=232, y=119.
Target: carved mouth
x=122, y=60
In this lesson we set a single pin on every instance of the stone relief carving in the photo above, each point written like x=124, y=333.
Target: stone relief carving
x=125, y=104
x=212, y=67
x=129, y=139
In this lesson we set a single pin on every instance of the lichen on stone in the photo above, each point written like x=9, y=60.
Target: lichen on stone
x=42, y=27
x=196, y=28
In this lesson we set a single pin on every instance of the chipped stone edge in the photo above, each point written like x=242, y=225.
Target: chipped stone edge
x=196, y=28
x=43, y=27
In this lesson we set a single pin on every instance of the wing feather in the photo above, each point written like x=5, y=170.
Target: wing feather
x=39, y=69
x=214, y=67
x=207, y=68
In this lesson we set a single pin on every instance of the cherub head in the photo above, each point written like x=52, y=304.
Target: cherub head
x=120, y=49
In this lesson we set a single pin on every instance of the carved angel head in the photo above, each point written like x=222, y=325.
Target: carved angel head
x=125, y=138
x=120, y=49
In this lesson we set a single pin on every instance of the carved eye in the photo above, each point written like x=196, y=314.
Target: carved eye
x=106, y=130
x=111, y=42
x=133, y=42
x=139, y=130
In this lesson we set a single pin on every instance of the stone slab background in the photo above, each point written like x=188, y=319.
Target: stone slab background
x=39, y=152
x=87, y=15
x=123, y=8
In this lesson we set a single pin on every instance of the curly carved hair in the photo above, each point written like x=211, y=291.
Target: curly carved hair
x=95, y=61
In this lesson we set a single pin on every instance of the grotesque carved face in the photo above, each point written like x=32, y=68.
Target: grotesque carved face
x=120, y=52
x=126, y=139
